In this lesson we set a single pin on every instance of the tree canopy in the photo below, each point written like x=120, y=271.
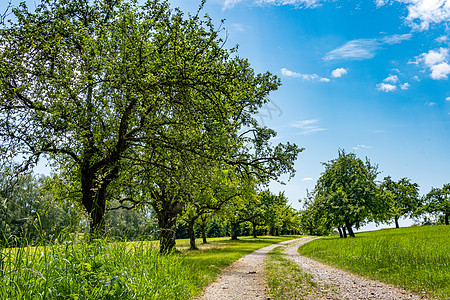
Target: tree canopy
x=346, y=192
x=108, y=88
x=402, y=196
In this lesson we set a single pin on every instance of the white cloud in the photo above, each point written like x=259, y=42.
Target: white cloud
x=434, y=57
x=391, y=79
x=431, y=103
x=297, y=3
x=361, y=147
x=230, y=3
x=440, y=71
x=442, y=39
x=423, y=13
x=308, y=77
x=307, y=126
x=405, y=86
x=436, y=61
x=416, y=78
x=307, y=179
x=338, y=72
x=289, y=73
x=361, y=49
x=448, y=98
x=386, y=87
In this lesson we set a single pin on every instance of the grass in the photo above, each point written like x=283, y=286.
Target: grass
x=117, y=270
x=285, y=279
x=415, y=258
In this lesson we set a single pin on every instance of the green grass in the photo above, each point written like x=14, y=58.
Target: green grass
x=415, y=258
x=116, y=270
x=285, y=279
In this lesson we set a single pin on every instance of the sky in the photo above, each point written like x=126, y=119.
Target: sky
x=370, y=77
x=367, y=76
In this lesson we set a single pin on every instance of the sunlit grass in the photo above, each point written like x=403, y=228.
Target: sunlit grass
x=118, y=270
x=285, y=279
x=415, y=258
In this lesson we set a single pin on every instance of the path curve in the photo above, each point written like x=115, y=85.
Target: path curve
x=337, y=284
x=243, y=279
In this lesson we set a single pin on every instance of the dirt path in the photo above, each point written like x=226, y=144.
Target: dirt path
x=243, y=279
x=337, y=284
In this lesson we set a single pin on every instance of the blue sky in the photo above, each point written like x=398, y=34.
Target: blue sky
x=367, y=76
x=370, y=77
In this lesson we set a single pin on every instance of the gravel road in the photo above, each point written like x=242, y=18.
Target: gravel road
x=244, y=279
x=337, y=284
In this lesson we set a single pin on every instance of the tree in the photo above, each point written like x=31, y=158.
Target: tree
x=28, y=211
x=312, y=220
x=437, y=201
x=102, y=86
x=347, y=192
x=402, y=196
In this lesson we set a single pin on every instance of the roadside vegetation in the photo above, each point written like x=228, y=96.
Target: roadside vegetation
x=415, y=258
x=118, y=270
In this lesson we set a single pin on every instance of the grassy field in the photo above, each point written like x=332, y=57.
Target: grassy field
x=415, y=258
x=104, y=270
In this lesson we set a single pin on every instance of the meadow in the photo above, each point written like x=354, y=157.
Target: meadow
x=118, y=270
x=415, y=258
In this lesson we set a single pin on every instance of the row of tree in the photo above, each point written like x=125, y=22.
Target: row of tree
x=134, y=106
x=348, y=196
x=29, y=211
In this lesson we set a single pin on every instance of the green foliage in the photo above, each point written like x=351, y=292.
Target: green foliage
x=402, y=196
x=124, y=99
x=311, y=220
x=29, y=211
x=415, y=258
x=437, y=201
x=346, y=193
x=137, y=224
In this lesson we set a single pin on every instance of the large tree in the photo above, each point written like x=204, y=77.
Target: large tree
x=346, y=192
x=102, y=86
x=437, y=201
x=402, y=197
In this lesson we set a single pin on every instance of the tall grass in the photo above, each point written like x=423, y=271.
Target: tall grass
x=415, y=258
x=117, y=270
x=98, y=270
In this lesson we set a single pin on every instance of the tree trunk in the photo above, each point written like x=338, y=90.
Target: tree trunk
x=344, y=232
x=203, y=229
x=191, y=224
x=167, y=219
x=446, y=218
x=396, y=222
x=94, y=199
x=350, y=230
x=254, y=230
x=272, y=231
x=234, y=231
x=340, y=232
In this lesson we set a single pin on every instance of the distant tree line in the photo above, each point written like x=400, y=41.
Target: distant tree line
x=347, y=196
x=30, y=212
